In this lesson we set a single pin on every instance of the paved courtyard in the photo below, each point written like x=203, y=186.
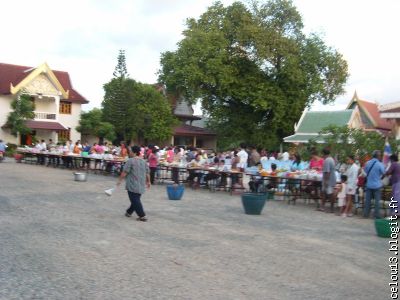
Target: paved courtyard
x=61, y=239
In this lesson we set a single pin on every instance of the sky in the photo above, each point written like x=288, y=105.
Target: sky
x=83, y=37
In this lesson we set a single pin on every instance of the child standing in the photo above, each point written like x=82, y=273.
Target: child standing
x=342, y=195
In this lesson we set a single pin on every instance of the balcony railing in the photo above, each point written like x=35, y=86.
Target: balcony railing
x=44, y=116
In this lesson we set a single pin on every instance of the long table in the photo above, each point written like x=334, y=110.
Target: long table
x=231, y=181
x=291, y=188
x=71, y=161
x=179, y=174
x=165, y=173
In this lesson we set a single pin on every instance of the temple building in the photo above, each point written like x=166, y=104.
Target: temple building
x=359, y=113
x=57, y=105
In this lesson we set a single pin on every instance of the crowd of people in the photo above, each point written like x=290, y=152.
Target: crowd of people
x=341, y=183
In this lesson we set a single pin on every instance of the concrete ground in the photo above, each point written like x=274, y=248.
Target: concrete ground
x=62, y=239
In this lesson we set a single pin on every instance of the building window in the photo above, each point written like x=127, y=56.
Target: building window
x=65, y=107
x=64, y=135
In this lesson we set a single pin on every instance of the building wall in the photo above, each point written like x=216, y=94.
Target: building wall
x=72, y=121
x=208, y=142
x=41, y=105
x=45, y=135
x=46, y=104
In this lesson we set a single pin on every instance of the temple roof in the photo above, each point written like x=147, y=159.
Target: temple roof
x=312, y=122
x=188, y=130
x=12, y=75
x=371, y=111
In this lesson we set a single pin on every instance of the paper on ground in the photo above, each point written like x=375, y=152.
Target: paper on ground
x=109, y=191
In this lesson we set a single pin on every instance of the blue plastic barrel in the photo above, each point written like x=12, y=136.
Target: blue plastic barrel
x=175, y=192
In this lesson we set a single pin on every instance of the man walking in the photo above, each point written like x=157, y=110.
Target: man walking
x=374, y=170
x=137, y=175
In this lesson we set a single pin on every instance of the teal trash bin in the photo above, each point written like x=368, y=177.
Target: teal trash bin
x=382, y=227
x=175, y=192
x=253, y=203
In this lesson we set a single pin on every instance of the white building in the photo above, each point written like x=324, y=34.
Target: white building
x=57, y=104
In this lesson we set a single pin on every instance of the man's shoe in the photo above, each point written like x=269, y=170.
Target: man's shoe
x=128, y=215
x=143, y=219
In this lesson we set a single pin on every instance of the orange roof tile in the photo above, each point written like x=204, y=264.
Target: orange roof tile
x=373, y=111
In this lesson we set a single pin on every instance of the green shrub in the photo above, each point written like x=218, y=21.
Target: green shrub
x=11, y=149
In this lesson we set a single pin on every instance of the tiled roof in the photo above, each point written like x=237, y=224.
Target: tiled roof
x=187, y=117
x=15, y=74
x=185, y=129
x=373, y=112
x=392, y=110
x=315, y=121
x=44, y=125
x=390, y=107
x=302, y=138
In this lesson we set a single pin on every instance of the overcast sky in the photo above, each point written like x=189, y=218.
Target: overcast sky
x=83, y=37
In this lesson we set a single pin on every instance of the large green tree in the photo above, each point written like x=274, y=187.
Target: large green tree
x=116, y=101
x=91, y=122
x=23, y=109
x=151, y=113
x=253, y=69
x=136, y=110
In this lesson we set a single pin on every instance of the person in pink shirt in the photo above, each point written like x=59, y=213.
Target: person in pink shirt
x=149, y=150
x=99, y=149
x=153, y=163
x=170, y=155
x=316, y=162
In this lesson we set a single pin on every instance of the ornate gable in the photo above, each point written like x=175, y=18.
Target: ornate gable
x=42, y=85
x=37, y=78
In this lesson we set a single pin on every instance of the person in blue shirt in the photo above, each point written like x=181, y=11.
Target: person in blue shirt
x=2, y=146
x=373, y=188
x=296, y=164
x=2, y=149
x=86, y=160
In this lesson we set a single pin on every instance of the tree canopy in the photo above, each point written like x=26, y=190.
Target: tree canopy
x=23, y=109
x=92, y=123
x=136, y=110
x=343, y=141
x=253, y=69
x=116, y=100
